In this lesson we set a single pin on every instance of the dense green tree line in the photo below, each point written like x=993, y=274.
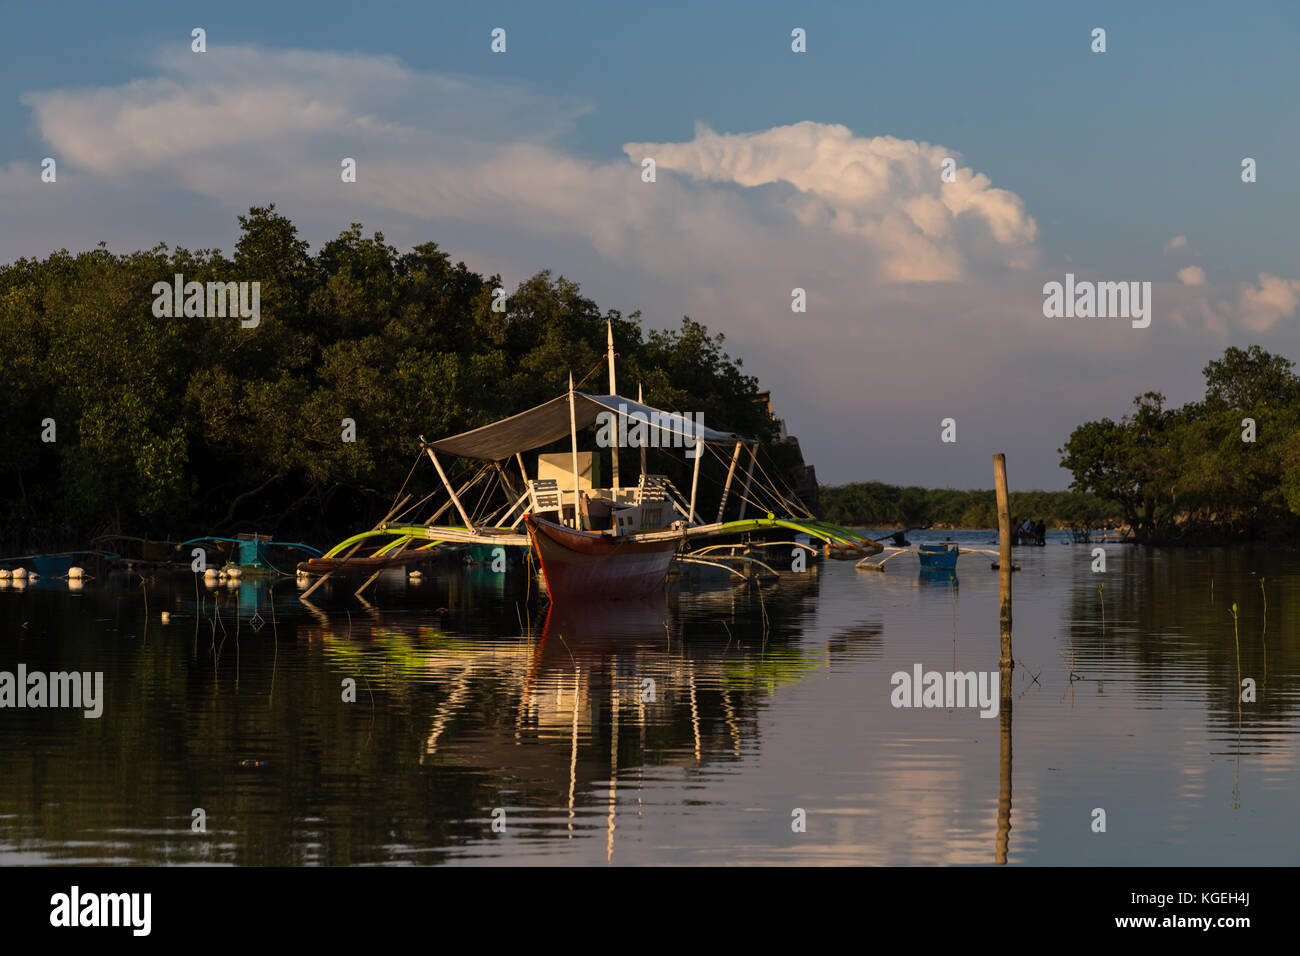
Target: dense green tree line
x=176, y=426
x=1225, y=466
x=876, y=505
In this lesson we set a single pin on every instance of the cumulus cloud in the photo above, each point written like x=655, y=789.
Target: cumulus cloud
x=885, y=191
x=1177, y=242
x=902, y=270
x=1260, y=307
x=1192, y=275
x=278, y=123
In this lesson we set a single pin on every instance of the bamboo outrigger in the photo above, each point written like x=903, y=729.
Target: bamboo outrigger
x=617, y=541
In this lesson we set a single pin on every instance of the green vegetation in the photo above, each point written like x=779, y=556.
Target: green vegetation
x=875, y=505
x=1188, y=474
x=180, y=426
x=1184, y=475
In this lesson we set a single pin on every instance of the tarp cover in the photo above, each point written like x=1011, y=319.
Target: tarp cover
x=549, y=422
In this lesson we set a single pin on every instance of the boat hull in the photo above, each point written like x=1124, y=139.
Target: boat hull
x=581, y=565
x=937, y=556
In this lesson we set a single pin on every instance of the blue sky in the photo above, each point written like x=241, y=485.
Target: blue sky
x=1098, y=161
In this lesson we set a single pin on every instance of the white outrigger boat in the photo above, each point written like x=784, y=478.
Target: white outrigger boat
x=591, y=542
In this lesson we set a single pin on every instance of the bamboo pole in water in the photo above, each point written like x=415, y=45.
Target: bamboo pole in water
x=1004, y=553
x=1005, y=661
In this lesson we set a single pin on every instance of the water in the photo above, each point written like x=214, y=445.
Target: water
x=471, y=709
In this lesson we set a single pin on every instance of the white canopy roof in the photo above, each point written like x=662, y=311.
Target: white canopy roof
x=549, y=422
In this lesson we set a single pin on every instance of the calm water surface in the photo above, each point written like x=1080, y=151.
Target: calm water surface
x=689, y=731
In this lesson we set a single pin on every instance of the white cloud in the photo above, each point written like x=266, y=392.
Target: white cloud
x=885, y=191
x=1192, y=275
x=909, y=279
x=1261, y=307
x=1177, y=242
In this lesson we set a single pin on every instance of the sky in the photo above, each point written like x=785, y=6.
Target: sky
x=775, y=170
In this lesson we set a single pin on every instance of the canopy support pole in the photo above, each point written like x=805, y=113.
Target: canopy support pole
x=505, y=479
x=726, y=489
x=640, y=401
x=749, y=477
x=695, y=478
x=450, y=490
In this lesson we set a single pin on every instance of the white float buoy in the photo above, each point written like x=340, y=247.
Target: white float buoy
x=20, y=574
x=415, y=576
x=166, y=617
x=234, y=572
x=4, y=574
x=33, y=576
x=75, y=584
x=210, y=573
x=76, y=574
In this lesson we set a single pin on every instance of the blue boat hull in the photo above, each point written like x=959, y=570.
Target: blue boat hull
x=938, y=556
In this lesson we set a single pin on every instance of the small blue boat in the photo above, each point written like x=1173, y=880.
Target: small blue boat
x=938, y=556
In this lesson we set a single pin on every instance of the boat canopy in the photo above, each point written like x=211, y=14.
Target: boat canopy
x=549, y=422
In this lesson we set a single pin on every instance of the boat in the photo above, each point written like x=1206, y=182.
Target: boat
x=932, y=557
x=938, y=556
x=580, y=564
x=589, y=538
x=249, y=552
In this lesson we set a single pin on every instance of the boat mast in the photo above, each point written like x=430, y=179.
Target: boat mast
x=613, y=391
x=573, y=433
x=641, y=401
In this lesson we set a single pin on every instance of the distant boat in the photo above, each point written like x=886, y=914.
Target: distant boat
x=938, y=556
x=248, y=551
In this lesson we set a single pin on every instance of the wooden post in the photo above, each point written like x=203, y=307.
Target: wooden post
x=1003, y=837
x=1005, y=662
x=1004, y=556
x=573, y=434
